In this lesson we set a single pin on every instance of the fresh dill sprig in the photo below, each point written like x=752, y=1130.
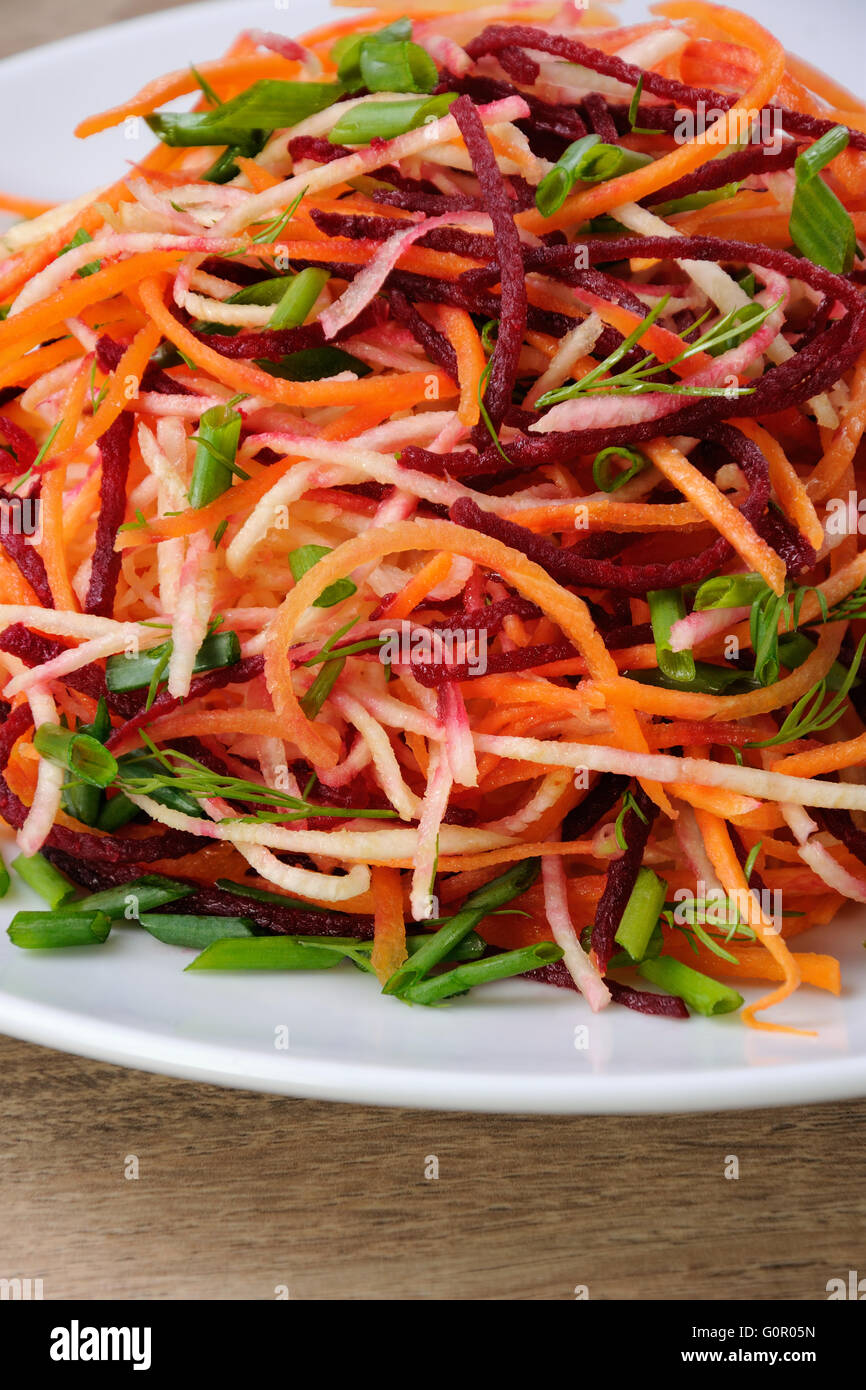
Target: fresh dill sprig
x=183, y=773
x=813, y=712
x=732, y=330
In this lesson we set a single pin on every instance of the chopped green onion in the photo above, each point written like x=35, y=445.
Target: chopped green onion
x=708, y=679
x=384, y=120
x=303, y=559
x=482, y=972
x=44, y=931
x=123, y=673
x=312, y=702
x=694, y=201
x=396, y=67
x=307, y=952
x=218, y=434
x=40, y=875
x=819, y=225
x=81, y=754
x=346, y=51
x=314, y=364
x=224, y=167
x=729, y=591
x=385, y=61
x=175, y=929
x=487, y=899
x=586, y=161
x=299, y=298
x=667, y=606
x=261, y=895
x=5, y=880
x=266, y=105
x=263, y=292
x=81, y=799
x=134, y=768
x=128, y=900
x=603, y=475
x=272, y=953
x=623, y=959
x=641, y=914
x=701, y=993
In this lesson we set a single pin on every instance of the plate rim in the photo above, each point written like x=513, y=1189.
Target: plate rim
x=728, y=1088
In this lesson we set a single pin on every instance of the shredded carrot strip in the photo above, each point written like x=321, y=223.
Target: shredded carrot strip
x=753, y=963
x=845, y=441
x=466, y=341
x=727, y=866
x=123, y=389
x=389, y=927
x=27, y=207
x=259, y=178
x=716, y=507
x=419, y=586
x=241, y=70
x=26, y=329
x=53, y=521
x=790, y=490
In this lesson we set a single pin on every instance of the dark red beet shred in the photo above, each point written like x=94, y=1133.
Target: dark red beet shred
x=114, y=451
x=512, y=323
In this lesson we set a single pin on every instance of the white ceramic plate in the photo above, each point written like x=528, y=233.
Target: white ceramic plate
x=511, y=1048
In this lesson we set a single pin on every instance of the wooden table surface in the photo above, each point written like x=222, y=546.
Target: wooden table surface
x=239, y=1196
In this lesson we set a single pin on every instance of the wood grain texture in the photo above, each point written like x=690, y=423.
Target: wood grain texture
x=238, y=1194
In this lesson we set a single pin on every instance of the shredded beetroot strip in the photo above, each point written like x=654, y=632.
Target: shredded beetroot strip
x=436, y=346
x=840, y=825
x=238, y=674
x=641, y=1000
x=498, y=36
x=621, y=877
x=574, y=568
x=273, y=343
x=114, y=451
x=23, y=448
x=497, y=663
x=34, y=649
x=754, y=159
x=598, y=801
x=26, y=557
x=108, y=355
x=512, y=323
x=645, y=1002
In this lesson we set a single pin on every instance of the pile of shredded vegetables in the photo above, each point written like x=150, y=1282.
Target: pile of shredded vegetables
x=446, y=450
